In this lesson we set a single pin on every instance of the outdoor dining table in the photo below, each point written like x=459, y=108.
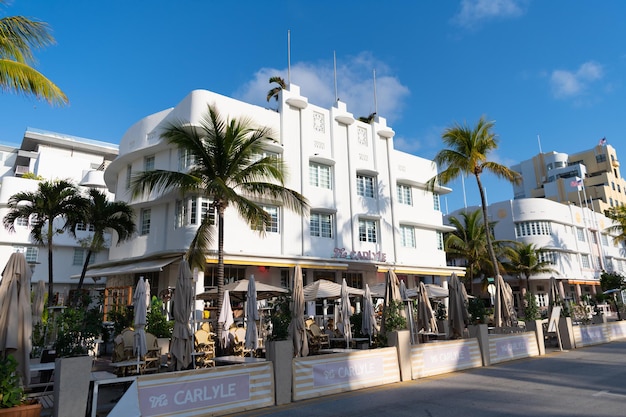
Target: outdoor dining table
x=355, y=341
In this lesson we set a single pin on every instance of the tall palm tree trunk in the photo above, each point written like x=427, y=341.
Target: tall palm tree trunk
x=483, y=200
x=83, y=272
x=220, y=270
x=50, y=268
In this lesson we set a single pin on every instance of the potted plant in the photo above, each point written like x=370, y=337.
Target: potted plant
x=13, y=402
x=279, y=349
x=158, y=325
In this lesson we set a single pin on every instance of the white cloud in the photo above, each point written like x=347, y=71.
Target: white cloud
x=355, y=86
x=475, y=12
x=567, y=84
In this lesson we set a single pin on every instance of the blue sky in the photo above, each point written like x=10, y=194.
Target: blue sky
x=552, y=74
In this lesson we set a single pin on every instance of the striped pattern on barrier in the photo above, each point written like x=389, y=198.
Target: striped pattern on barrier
x=593, y=334
x=320, y=375
x=429, y=359
x=617, y=329
x=507, y=347
x=217, y=391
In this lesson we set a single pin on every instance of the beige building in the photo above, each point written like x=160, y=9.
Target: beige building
x=556, y=175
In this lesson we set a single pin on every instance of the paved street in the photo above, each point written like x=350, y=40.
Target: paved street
x=588, y=382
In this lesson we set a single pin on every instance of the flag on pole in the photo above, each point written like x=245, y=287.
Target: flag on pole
x=577, y=183
x=602, y=141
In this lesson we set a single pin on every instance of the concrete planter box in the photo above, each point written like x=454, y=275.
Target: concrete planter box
x=280, y=353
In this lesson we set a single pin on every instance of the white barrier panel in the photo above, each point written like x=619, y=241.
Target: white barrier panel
x=320, y=375
x=593, y=334
x=617, y=329
x=429, y=359
x=217, y=391
x=507, y=347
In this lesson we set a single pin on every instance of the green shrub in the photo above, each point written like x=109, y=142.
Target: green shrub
x=11, y=390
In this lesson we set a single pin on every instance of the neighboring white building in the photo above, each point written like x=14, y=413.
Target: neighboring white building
x=577, y=241
x=370, y=210
x=51, y=156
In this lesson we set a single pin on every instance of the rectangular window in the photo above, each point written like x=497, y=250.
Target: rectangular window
x=436, y=202
x=129, y=175
x=180, y=213
x=542, y=300
x=407, y=236
x=21, y=221
x=193, y=211
x=285, y=282
x=584, y=260
x=404, y=194
x=272, y=227
x=604, y=238
x=204, y=209
x=320, y=175
x=148, y=163
x=145, y=221
x=365, y=186
x=79, y=254
x=439, y=240
x=30, y=252
x=353, y=279
x=580, y=232
x=321, y=225
x=185, y=160
x=367, y=231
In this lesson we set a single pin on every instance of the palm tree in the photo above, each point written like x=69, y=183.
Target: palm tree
x=229, y=169
x=273, y=93
x=618, y=215
x=466, y=154
x=18, y=37
x=525, y=259
x=468, y=242
x=53, y=200
x=104, y=215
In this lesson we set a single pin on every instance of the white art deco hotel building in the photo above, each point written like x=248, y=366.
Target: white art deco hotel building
x=370, y=210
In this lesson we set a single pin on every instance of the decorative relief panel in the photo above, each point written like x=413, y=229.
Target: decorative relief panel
x=361, y=136
x=319, y=124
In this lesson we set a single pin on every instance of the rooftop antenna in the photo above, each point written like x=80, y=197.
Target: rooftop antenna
x=539, y=142
x=288, y=57
x=375, y=100
x=335, y=74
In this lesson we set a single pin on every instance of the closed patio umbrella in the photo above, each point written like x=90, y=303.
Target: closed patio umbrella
x=226, y=319
x=368, y=318
x=504, y=313
x=345, y=311
x=298, y=328
x=16, y=322
x=458, y=315
x=141, y=311
x=38, y=301
x=182, y=342
x=425, y=315
x=252, y=315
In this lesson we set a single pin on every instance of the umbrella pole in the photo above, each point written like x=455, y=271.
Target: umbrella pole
x=411, y=323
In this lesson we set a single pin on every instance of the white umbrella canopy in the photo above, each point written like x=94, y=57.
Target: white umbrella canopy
x=324, y=289
x=239, y=289
x=368, y=318
x=141, y=311
x=504, y=312
x=252, y=315
x=38, y=301
x=182, y=303
x=345, y=311
x=16, y=322
x=298, y=328
x=425, y=316
x=458, y=315
x=226, y=319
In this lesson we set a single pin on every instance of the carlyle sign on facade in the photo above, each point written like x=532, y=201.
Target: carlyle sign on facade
x=366, y=255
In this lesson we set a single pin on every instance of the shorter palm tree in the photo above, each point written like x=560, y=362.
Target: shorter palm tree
x=618, y=215
x=526, y=259
x=104, y=215
x=53, y=200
